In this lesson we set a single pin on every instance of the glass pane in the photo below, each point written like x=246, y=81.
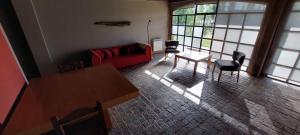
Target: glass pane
x=181, y=20
x=296, y=6
x=253, y=21
x=298, y=65
x=174, y=37
x=293, y=22
x=226, y=57
x=210, y=20
x=287, y=58
x=174, y=29
x=219, y=34
x=229, y=48
x=180, y=39
x=296, y=76
x=290, y=40
x=208, y=32
x=188, y=41
x=246, y=63
x=247, y=50
x=217, y=46
x=189, y=31
x=198, y=31
x=175, y=20
x=240, y=7
x=236, y=21
x=190, y=20
x=215, y=55
x=199, y=20
x=233, y=35
x=249, y=37
x=206, y=8
x=206, y=43
x=181, y=30
x=184, y=11
x=222, y=21
x=196, y=42
x=279, y=71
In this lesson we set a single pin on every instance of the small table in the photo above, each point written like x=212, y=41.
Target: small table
x=59, y=94
x=193, y=56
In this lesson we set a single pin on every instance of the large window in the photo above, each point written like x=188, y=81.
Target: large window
x=234, y=27
x=286, y=60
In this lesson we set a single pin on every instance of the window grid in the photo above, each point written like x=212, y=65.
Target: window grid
x=292, y=68
x=226, y=31
x=212, y=39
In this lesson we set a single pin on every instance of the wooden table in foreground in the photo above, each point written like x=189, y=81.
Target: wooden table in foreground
x=194, y=56
x=59, y=94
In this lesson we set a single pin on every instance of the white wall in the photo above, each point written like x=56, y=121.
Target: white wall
x=34, y=36
x=67, y=26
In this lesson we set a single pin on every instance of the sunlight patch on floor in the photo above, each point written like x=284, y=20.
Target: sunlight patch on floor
x=197, y=89
x=194, y=94
x=257, y=121
x=191, y=97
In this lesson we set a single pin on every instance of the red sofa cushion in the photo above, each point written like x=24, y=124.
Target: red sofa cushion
x=107, y=53
x=126, y=55
x=124, y=61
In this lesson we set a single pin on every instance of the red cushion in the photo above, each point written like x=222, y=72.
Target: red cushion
x=120, y=57
x=125, y=61
x=107, y=53
x=116, y=51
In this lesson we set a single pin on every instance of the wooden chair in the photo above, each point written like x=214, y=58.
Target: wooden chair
x=70, y=66
x=83, y=121
x=171, y=47
x=230, y=65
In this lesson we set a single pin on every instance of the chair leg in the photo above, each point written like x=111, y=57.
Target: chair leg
x=219, y=76
x=231, y=73
x=214, y=69
x=166, y=56
x=238, y=76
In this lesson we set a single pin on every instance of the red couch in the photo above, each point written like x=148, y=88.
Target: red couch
x=122, y=56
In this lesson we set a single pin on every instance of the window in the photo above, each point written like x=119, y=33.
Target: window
x=235, y=27
x=286, y=60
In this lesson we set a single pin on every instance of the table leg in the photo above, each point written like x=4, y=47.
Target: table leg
x=209, y=62
x=195, y=68
x=175, y=61
x=107, y=119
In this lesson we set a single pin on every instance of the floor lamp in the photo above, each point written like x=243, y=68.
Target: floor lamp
x=148, y=34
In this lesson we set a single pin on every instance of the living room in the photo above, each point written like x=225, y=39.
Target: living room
x=149, y=67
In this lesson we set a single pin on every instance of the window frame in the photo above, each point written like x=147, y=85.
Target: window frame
x=226, y=28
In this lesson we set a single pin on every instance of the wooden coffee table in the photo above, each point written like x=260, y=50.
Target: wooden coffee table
x=59, y=94
x=193, y=56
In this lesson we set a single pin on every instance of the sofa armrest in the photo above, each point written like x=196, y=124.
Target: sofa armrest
x=96, y=58
x=148, y=51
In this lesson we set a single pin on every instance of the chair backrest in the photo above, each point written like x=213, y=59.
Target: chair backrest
x=172, y=44
x=239, y=57
x=75, y=116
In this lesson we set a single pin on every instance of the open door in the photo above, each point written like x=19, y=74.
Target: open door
x=12, y=78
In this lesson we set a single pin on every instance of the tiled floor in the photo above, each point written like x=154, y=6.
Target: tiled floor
x=175, y=102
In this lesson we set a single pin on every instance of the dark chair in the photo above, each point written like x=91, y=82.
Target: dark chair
x=230, y=65
x=171, y=47
x=84, y=121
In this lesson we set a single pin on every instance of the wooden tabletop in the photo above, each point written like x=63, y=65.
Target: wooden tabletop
x=193, y=55
x=59, y=94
